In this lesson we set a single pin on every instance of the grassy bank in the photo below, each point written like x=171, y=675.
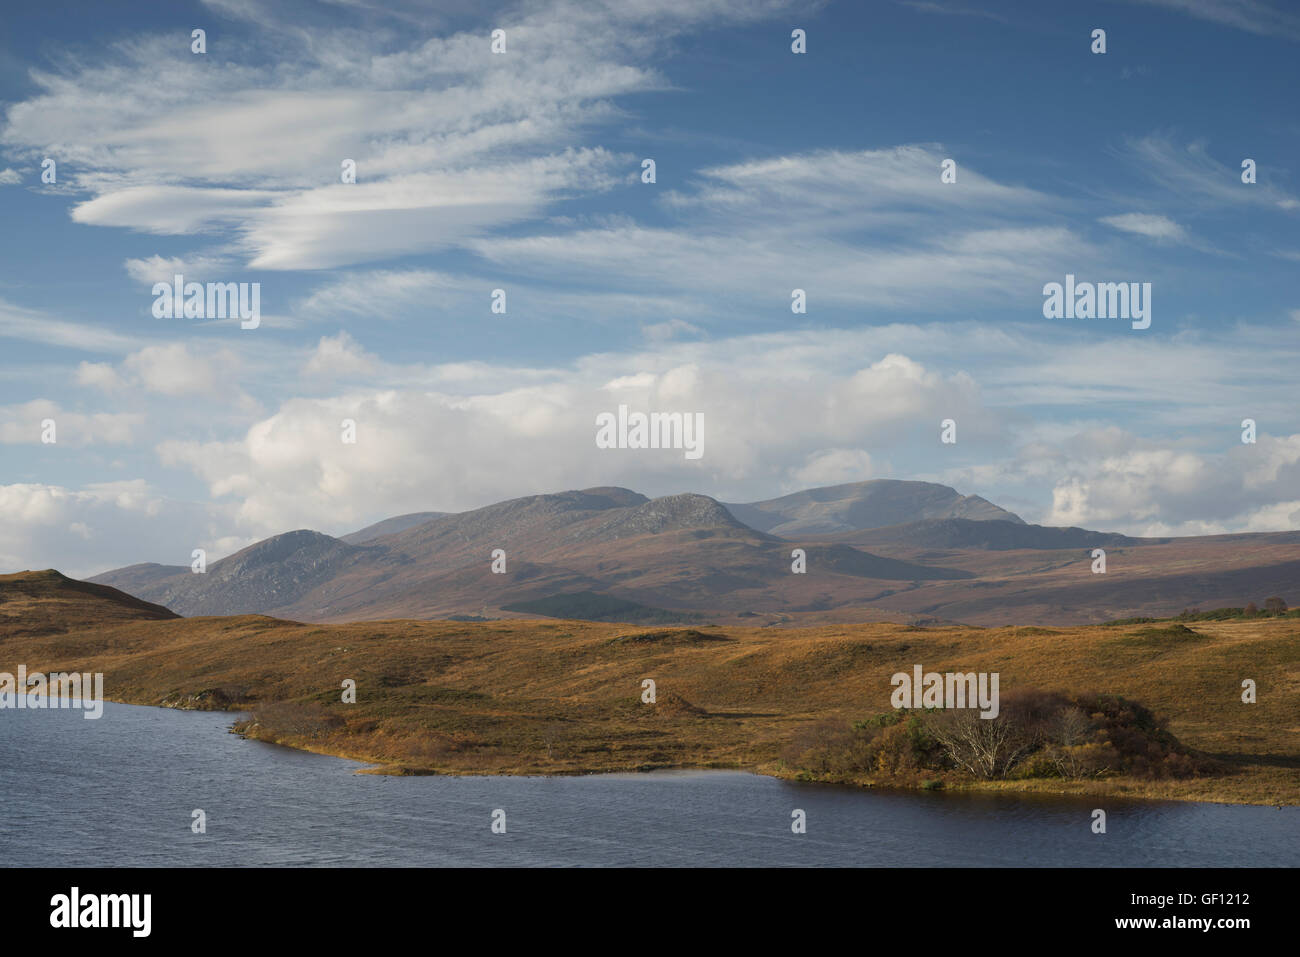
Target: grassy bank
x=544, y=697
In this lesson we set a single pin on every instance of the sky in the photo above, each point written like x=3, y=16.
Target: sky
x=522, y=171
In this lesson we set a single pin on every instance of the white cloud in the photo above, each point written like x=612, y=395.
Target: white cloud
x=450, y=141
x=290, y=469
x=81, y=531
x=1150, y=225
x=806, y=188
x=782, y=411
x=195, y=268
x=33, y=325
x=1189, y=172
x=1111, y=479
x=384, y=294
x=669, y=329
x=98, y=375
x=339, y=356
x=175, y=370
x=22, y=425
x=169, y=210
x=834, y=467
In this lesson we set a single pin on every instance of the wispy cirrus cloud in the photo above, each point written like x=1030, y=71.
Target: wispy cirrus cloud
x=1188, y=171
x=1151, y=225
x=450, y=140
x=38, y=326
x=1253, y=16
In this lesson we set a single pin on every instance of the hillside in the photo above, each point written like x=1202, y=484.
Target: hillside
x=47, y=602
x=565, y=697
x=389, y=526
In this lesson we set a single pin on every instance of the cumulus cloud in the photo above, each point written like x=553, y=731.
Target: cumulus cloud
x=423, y=448
x=80, y=531
x=834, y=467
x=1111, y=479
x=24, y=424
x=98, y=375
x=175, y=369
x=781, y=410
x=339, y=356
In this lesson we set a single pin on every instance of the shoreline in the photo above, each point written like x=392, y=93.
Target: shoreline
x=565, y=698
x=1122, y=788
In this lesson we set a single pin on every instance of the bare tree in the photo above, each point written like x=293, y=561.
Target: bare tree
x=986, y=747
x=1071, y=726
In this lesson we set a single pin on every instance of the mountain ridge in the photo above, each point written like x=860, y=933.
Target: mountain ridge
x=690, y=555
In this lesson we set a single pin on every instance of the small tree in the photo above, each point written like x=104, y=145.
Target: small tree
x=1250, y=611
x=551, y=735
x=986, y=747
x=1274, y=605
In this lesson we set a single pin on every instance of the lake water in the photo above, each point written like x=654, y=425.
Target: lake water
x=121, y=790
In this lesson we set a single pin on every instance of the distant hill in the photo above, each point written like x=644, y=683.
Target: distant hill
x=47, y=602
x=861, y=505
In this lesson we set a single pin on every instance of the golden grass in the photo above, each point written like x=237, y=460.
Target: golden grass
x=545, y=697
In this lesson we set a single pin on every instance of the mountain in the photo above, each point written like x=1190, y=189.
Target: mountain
x=601, y=552
x=47, y=602
x=679, y=553
x=389, y=526
x=265, y=575
x=861, y=505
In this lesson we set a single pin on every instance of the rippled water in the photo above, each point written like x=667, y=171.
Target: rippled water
x=120, y=790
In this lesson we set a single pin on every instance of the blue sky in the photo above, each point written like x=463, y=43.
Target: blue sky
x=521, y=171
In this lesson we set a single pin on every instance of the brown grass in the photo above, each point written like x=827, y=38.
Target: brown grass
x=545, y=697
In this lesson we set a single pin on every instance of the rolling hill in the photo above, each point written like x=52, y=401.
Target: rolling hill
x=548, y=697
